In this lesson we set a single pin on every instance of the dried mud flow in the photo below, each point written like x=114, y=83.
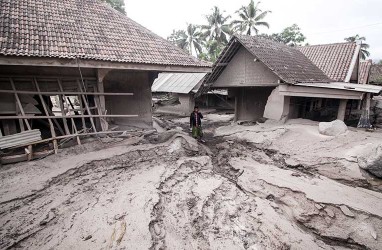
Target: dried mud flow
x=177, y=194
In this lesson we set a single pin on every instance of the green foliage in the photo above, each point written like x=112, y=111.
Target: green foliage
x=190, y=40
x=217, y=28
x=212, y=51
x=291, y=36
x=117, y=5
x=364, y=46
x=250, y=19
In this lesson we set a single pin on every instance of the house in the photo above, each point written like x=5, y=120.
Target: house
x=272, y=80
x=81, y=49
x=182, y=86
x=185, y=89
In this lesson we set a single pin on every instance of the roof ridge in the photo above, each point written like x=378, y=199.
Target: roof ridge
x=326, y=44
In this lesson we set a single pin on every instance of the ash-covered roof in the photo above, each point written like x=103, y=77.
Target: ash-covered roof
x=286, y=62
x=86, y=29
x=376, y=74
x=182, y=83
x=364, y=71
x=335, y=60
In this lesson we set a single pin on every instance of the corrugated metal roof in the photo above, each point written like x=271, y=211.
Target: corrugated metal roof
x=182, y=83
x=21, y=138
x=366, y=88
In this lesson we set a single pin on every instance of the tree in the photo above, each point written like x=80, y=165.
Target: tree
x=291, y=36
x=189, y=39
x=178, y=38
x=117, y=5
x=217, y=28
x=212, y=51
x=250, y=19
x=364, y=46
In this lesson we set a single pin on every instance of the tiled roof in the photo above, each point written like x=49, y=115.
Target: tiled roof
x=286, y=62
x=376, y=74
x=87, y=29
x=364, y=71
x=177, y=82
x=334, y=59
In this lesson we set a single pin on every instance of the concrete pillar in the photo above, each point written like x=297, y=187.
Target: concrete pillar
x=368, y=99
x=342, y=109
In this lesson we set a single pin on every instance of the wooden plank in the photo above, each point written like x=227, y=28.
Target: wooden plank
x=52, y=131
x=25, y=92
x=60, y=116
x=83, y=63
x=19, y=103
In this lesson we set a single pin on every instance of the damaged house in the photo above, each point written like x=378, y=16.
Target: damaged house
x=179, y=87
x=180, y=92
x=275, y=81
x=77, y=67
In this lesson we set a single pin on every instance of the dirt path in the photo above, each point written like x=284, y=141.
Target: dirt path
x=168, y=192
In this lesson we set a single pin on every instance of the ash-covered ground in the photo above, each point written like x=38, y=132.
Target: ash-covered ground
x=253, y=186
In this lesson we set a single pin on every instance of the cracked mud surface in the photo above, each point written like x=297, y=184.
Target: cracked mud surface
x=237, y=191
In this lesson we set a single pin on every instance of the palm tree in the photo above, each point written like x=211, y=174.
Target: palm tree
x=251, y=17
x=364, y=46
x=189, y=40
x=193, y=39
x=217, y=28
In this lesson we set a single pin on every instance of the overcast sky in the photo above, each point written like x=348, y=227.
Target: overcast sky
x=321, y=21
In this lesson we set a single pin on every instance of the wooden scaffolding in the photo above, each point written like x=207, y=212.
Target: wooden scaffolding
x=28, y=98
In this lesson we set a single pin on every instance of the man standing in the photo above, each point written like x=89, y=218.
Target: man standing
x=196, y=124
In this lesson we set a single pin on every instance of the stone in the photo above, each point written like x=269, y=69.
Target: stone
x=333, y=128
x=371, y=160
x=329, y=212
x=88, y=237
x=318, y=206
x=346, y=211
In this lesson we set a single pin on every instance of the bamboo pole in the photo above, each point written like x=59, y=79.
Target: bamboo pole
x=87, y=106
x=19, y=103
x=61, y=98
x=82, y=111
x=52, y=131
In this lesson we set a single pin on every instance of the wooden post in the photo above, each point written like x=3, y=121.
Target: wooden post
x=19, y=103
x=342, y=109
x=52, y=131
x=101, y=98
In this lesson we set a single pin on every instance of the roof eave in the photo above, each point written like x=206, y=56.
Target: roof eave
x=64, y=62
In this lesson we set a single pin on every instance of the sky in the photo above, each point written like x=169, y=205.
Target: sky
x=321, y=21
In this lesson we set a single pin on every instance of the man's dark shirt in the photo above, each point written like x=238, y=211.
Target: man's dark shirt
x=196, y=119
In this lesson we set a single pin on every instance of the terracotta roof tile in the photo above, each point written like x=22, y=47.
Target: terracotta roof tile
x=286, y=62
x=333, y=59
x=364, y=71
x=376, y=74
x=87, y=29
